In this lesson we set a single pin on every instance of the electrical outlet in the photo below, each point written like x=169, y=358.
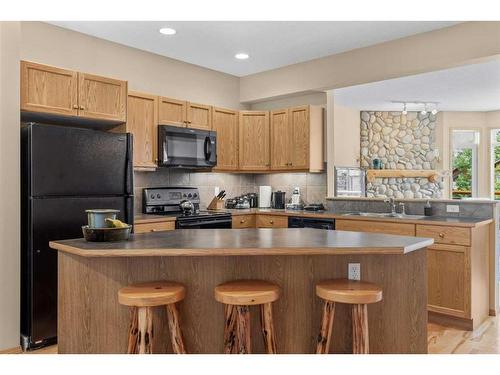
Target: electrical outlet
x=354, y=271
x=455, y=208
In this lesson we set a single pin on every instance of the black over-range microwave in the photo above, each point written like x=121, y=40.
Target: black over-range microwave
x=186, y=148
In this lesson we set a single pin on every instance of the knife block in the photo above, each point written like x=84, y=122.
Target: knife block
x=216, y=204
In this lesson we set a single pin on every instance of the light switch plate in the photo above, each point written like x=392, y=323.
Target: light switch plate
x=455, y=208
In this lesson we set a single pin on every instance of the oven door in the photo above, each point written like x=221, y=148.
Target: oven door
x=204, y=223
x=186, y=148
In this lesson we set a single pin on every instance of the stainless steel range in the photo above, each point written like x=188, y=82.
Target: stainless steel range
x=184, y=204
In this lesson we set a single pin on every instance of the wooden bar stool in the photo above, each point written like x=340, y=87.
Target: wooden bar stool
x=142, y=298
x=356, y=293
x=237, y=297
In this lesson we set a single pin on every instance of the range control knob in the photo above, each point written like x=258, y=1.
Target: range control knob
x=184, y=195
x=195, y=195
x=190, y=195
x=158, y=196
x=152, y=196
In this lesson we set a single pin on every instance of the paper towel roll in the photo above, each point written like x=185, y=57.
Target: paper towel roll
x=264, y=196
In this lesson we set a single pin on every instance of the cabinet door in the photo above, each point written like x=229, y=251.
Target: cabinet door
x=172, y=112
x=48, y=89
x=225, y=123
x=254, y=141
x=142, y=122
x=448, y=273
x=102, y=97
x=243, y=221
x=199, y=116
x=299, y=126
x=270, y=221
x=280, y=140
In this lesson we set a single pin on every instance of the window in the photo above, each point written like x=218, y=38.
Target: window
x=495, y=160
x=464, y=163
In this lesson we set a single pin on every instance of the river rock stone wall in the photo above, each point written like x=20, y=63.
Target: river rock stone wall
x=400, y=142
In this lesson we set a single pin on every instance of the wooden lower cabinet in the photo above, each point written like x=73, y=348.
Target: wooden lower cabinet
x=243, y=221
x=401, y=229
x=160, y=226
x=271, y=221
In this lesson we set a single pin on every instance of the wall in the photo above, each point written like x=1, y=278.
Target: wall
x=460, y=44
x=144, y=71
x=400, y=142
x=346, y=137
x=317, y=98
x=9, y=188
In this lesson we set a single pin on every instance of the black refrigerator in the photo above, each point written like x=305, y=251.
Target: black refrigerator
x=64, y=171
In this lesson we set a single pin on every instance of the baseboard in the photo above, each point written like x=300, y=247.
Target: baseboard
x=450, y=321
x=16, y=350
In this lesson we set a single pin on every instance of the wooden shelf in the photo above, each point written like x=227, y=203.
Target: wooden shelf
x=372, y=174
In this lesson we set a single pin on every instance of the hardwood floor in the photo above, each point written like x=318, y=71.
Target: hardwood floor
x=484, y=340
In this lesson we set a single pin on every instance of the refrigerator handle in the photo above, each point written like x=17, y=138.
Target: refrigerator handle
x=129, y=172
x=129, y=210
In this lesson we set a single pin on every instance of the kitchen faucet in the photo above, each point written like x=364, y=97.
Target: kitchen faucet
x=392, y=203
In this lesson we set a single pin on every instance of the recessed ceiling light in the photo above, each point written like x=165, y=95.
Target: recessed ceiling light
x=167, y=31
x=242, y=56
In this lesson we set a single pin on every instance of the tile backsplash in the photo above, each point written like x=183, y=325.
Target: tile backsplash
x=312, y=185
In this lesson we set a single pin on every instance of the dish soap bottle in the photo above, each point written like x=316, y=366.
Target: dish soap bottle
x=428, y=209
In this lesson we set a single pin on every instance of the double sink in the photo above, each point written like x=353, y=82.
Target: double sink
x=387, y=215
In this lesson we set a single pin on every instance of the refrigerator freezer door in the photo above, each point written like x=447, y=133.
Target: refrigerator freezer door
x=69, y=161
x=52, y=219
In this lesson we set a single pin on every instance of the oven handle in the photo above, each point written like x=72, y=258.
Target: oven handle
x=202, y=222
x=207, y=148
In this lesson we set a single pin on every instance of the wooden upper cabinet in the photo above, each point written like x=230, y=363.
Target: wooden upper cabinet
x=64, y=92
x=142, y=122
x=280, y=140
x=48, y=89
x=254, y=148
x=172, y=112
x=199, y=116
x=102, y=97
x=225, y=123
x=299, y=137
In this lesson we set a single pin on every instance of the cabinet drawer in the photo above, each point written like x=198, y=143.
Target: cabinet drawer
x=154, y=227
x=243, y=221
x=446, y=235
x=270, y=221
x=401, y=229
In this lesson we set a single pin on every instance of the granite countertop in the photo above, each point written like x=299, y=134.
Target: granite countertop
x=431, y=220
x=261, y=242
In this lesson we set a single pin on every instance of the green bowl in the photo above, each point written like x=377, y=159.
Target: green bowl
x=106, y=234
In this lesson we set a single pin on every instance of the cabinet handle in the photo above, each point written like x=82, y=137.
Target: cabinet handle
x=75, y=106
x=82, y=107
x=271, y=221
x=242, y=221
x=155, y=230
x=441, y=235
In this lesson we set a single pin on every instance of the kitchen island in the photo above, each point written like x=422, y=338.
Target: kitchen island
x=90, y=319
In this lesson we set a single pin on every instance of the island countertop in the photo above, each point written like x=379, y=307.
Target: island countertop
x=228, y=242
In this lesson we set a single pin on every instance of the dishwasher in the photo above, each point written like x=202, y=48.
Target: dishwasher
x=310, y=222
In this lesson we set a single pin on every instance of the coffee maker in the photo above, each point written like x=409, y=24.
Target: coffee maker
x=278, y=200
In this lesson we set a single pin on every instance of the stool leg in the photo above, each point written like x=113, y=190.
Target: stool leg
x=267, y=324
x=229, y=329
x=360, y=343
x=132, y=332
x=325, y=333
x=145, y=326
x=243, y=329
x=175, y=329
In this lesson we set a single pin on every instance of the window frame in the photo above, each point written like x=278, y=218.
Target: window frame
x=475, y=160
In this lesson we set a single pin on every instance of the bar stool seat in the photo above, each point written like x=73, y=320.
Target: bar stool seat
x=142, y=298
x=238, y=296
x=358, y=294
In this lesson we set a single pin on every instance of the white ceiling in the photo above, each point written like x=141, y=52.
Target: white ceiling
x=467, y=88
x=270, y=44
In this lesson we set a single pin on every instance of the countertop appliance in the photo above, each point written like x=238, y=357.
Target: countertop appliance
x=349, y=182
x=265, y=196
x=167, y=201
x=314, y=207
x=186, y=148
x=310, y=222
x=64, y=171
x=295, y=202
x=278, y=200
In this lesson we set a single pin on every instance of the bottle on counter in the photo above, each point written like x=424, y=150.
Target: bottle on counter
x=428, y=209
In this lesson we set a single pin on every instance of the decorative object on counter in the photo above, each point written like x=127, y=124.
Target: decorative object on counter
x=96, y=218
x=217, y=202
x=358, y=294
x=106, y=234
x=238, y=296
x=142, y=298
x=428, y=209
x=278, y=200
x=265, y=196
x=376, y=163
x=295, y=202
